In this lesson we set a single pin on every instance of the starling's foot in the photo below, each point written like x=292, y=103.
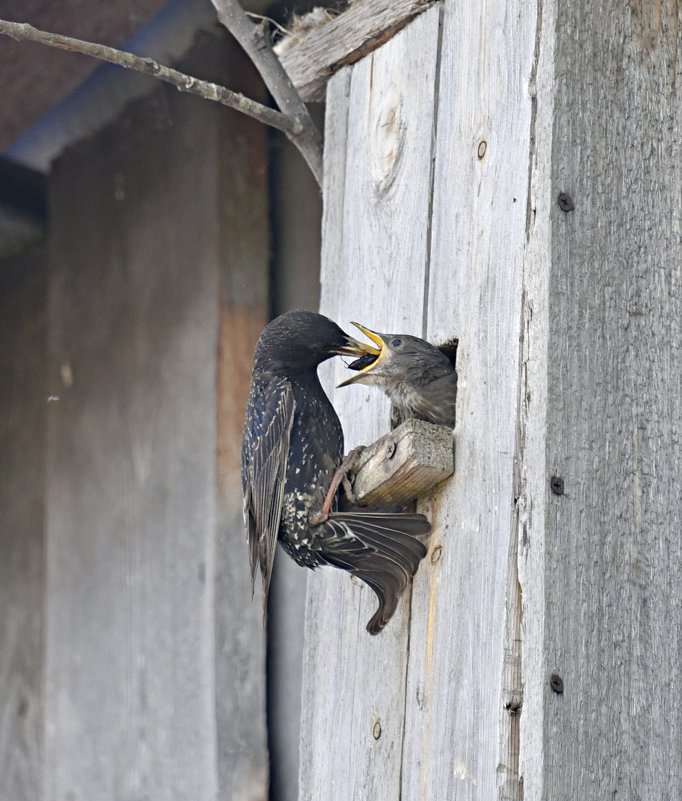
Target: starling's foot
x=318, y=518
x=348, y=464
x=348, y=489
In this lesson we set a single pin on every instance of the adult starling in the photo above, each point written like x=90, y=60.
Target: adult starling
x=419, y=378
x=292, y=447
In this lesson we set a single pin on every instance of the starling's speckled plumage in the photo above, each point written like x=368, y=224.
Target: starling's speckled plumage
x=419, y=378
x=293, y=444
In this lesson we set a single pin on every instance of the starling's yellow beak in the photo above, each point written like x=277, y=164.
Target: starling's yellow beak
x=379, y=353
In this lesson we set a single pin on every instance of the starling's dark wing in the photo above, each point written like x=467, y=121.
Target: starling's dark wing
x=381, y=549
x=271, y=416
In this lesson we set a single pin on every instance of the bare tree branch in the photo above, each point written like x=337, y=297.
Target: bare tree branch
x=22, y=31
x=257, y=46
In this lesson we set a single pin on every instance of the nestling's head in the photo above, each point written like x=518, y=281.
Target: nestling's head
x=400, y=358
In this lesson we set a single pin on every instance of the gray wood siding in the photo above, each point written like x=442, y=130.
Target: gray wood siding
x=374, y=260
x=537, y=655
x=569, y=366
x=463, y=604
x=438, y=252
x=294, y=284
x=602, y=561
x=23, y=405
x=155, y=666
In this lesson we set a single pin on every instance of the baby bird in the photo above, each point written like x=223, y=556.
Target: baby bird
x=419, y=378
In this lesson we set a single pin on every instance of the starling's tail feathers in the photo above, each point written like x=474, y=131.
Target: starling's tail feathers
x=381, y=549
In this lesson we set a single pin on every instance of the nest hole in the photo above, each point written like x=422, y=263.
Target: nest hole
x=449, y=348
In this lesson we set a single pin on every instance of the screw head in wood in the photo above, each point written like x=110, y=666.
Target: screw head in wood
x=556, y=683
x=390, y=450
x=565, y=202
x=482, y=147
x=556, y=484
x=436, y=554
x=376, y=730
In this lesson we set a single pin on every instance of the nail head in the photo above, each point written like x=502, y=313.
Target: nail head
x=565, y=202
x=556, y=484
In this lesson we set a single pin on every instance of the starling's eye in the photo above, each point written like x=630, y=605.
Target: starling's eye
x=396, y=343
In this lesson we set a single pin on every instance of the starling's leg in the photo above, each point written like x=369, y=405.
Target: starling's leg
x=348, y=464
x=348, y=489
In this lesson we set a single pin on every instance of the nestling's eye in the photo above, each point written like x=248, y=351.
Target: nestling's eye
x=396, y=343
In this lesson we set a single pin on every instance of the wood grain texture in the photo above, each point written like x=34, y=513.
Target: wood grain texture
x=154, y=673
x=403, y=465
x=296, y=230
x=379, y=115
x=569, y=362
x=362, y=28
x=23, y=404
x=243, y=263
x=460, y=739
x=605, y=557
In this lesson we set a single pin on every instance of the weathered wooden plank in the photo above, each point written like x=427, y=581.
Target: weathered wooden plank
x=243, y=261
x=296, y=218
x=154, y=677
x=460, y=741
x=379, y=117
x=296, y=226
x=364, y=26
x=313, y=740
x=23, y=403
x=296, y=214
x=602, y=563
x=404, y=464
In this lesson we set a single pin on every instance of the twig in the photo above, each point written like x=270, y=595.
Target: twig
x=269, y=20
x=256, y=45
x=22, y=31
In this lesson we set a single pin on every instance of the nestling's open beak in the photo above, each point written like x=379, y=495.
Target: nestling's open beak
x=355, y=348
x=379, y=353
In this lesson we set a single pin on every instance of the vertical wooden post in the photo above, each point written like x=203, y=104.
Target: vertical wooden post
x=463, y=666
x=155, y=666
x=375, y=253
x=296, y=211
x=23, y=403
x=600, y=545
x=541, y=652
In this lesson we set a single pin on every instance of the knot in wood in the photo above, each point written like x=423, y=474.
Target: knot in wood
x=556, y=683
x=565, y=202
x=556, y=484
x=389, y=139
